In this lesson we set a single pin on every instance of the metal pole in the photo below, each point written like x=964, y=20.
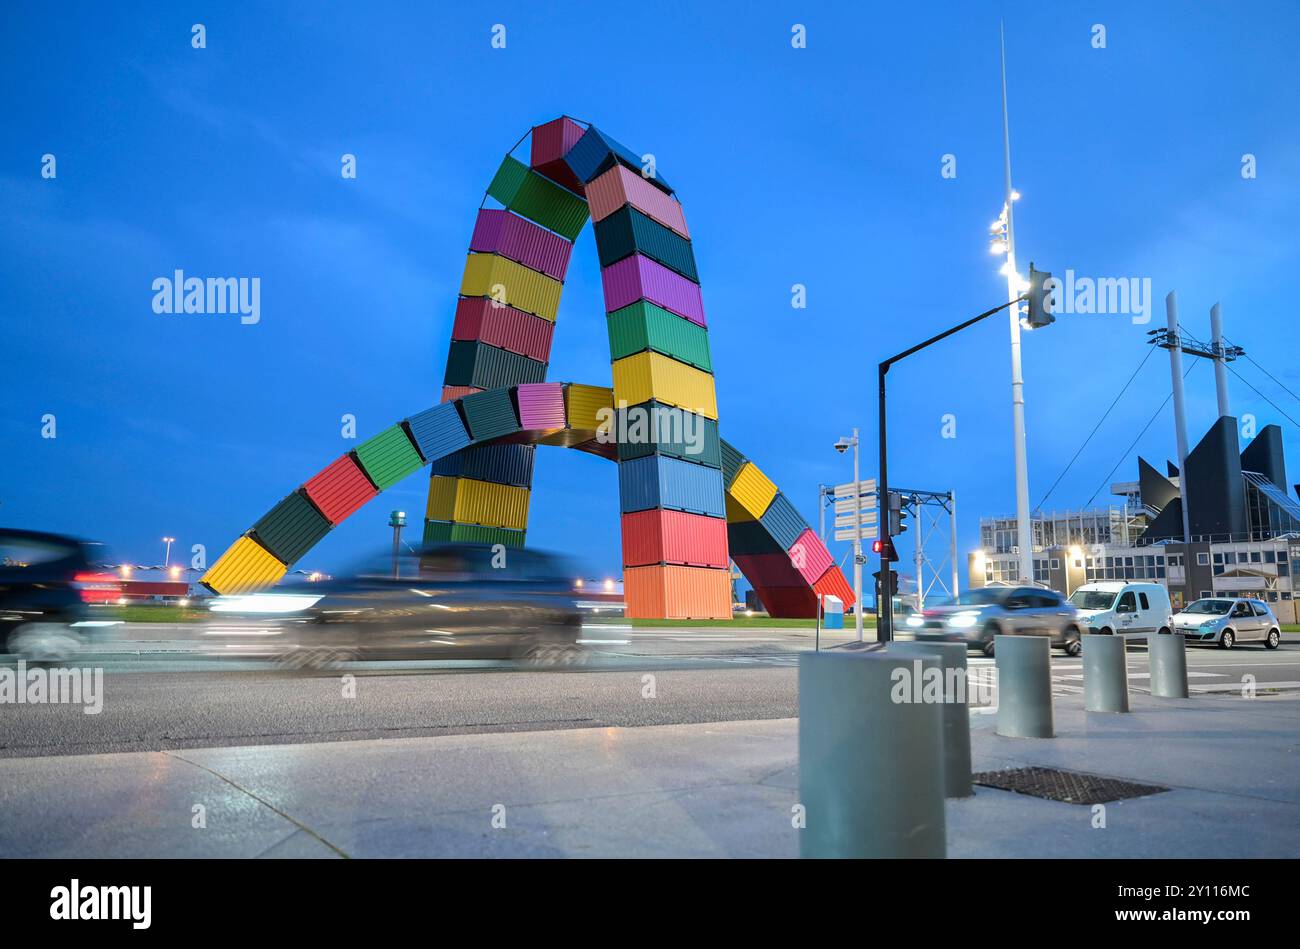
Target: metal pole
x=821, y=512
x=1220, y=364
x=397, y=540
x=857, y=540
x=920, y=554
x=885, y=604
x=1180, y=408
x=952, y=541
x=1024, y=537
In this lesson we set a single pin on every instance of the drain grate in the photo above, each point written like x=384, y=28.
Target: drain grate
x=1070, y=787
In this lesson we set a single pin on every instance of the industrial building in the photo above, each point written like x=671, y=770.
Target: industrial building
x=1220, y=524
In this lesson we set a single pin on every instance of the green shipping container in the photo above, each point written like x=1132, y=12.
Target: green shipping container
x=445, y=532
x=643, y=325
x=291, y=528
x=627, y=231
x=489, y=414
x=669, y=435
x=388, y=457
x=732, y=462
x=475, y=363
x=539, y=199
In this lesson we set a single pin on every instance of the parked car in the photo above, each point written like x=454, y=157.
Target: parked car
x=41, y=595
x=1227, y=621
x=1114, y=606
x=474, y=601
x=979, y=615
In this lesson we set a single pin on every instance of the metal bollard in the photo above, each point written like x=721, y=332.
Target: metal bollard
x=870, y=759
x=956, y=711
x=1167, y=654
x=1105, y=674
x=1024, y=686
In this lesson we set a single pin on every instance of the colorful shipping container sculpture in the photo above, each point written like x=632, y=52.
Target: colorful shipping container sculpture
x=689, y=501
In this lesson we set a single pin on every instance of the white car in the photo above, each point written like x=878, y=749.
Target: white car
x=1116, y=606
x=1227, y=621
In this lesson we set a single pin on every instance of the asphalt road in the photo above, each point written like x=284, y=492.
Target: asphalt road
x=157, y=695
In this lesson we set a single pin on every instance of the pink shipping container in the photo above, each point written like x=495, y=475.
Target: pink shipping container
x=340, y=489
x=620, y=186
x=635, y=277
x=500, y=232
x=810, y=557
x=674, y=537
x=451, y=393
x=768, y=570
x=503, y=326
x=541, y=406
x=551, y=142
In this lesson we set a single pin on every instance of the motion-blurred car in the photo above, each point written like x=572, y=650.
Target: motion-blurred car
x=979, y=615
x=42, y=594
x=1227, y=621
x=473, y=601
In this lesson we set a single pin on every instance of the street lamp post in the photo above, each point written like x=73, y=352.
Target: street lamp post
x=396, y=521
x=841, y=446
x=167, y=558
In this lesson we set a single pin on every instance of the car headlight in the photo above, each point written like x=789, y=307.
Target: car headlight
x=1206, y=627
x=963, y=620
x=915, y=620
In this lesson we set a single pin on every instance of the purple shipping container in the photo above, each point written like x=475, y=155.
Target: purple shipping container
x=635, y=277
x=500, y=232
x=541, y=406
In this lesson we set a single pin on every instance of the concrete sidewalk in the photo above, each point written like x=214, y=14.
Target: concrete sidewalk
x=711, y=790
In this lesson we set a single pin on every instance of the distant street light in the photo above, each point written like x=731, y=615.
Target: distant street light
x=167, y=559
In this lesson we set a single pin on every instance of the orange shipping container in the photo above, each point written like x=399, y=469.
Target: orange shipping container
x=673, y=592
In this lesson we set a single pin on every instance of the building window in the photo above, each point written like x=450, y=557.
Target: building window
x=1270, y=557
x=1254, y=556
x=1206, y=594
x=1202, y=559
x=1056, y=563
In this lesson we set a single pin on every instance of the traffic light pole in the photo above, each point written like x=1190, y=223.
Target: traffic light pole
x=885, y=606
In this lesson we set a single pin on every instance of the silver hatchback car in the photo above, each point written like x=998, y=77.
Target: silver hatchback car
x=979, y=615
x=1226, y=621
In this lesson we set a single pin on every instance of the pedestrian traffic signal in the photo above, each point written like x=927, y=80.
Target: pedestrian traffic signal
x=1040, y=299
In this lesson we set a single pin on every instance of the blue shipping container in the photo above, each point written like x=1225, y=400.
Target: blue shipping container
x=783, y=521
x=438, y=431
x=502, y=464
x=596, y=152
x=660, y=481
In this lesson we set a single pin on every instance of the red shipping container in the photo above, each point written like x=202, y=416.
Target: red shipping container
x=832, y=583
x=452, y=393
x=519, y=239
x=788, y=602
x=503, y=326
x=551, y=142
x=674, y=537
x=768, y=570
x=619, y=186
x=810, y=557
x=340, y=489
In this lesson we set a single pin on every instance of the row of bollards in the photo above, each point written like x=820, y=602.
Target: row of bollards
x=884, y=731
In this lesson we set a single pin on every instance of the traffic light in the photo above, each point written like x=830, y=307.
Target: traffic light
x=1040, y=299
x=883, y=547
x=897, y=514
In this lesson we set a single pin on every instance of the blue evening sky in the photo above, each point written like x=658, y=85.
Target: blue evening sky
x=818, y=166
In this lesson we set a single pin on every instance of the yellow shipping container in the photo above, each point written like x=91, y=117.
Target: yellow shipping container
x=442, y=499
x=582, y=405
x=753, y=489
x=652, y=375
x=736, y=513
x=491, y=505
x=245, y=568
x=487, y=275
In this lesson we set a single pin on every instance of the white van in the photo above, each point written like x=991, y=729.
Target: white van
x=1116, y=606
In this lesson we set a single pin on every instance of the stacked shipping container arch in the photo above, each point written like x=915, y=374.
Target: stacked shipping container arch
x=505, y=319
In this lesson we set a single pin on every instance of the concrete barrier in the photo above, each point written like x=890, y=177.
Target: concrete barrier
x=1024, y=686
x=1105, y=674
x=956, y=711
x=871, y=774
x=1167, y=654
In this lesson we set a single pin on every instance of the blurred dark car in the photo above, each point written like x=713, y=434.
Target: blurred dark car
x=41, y=593
x=473, y=601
